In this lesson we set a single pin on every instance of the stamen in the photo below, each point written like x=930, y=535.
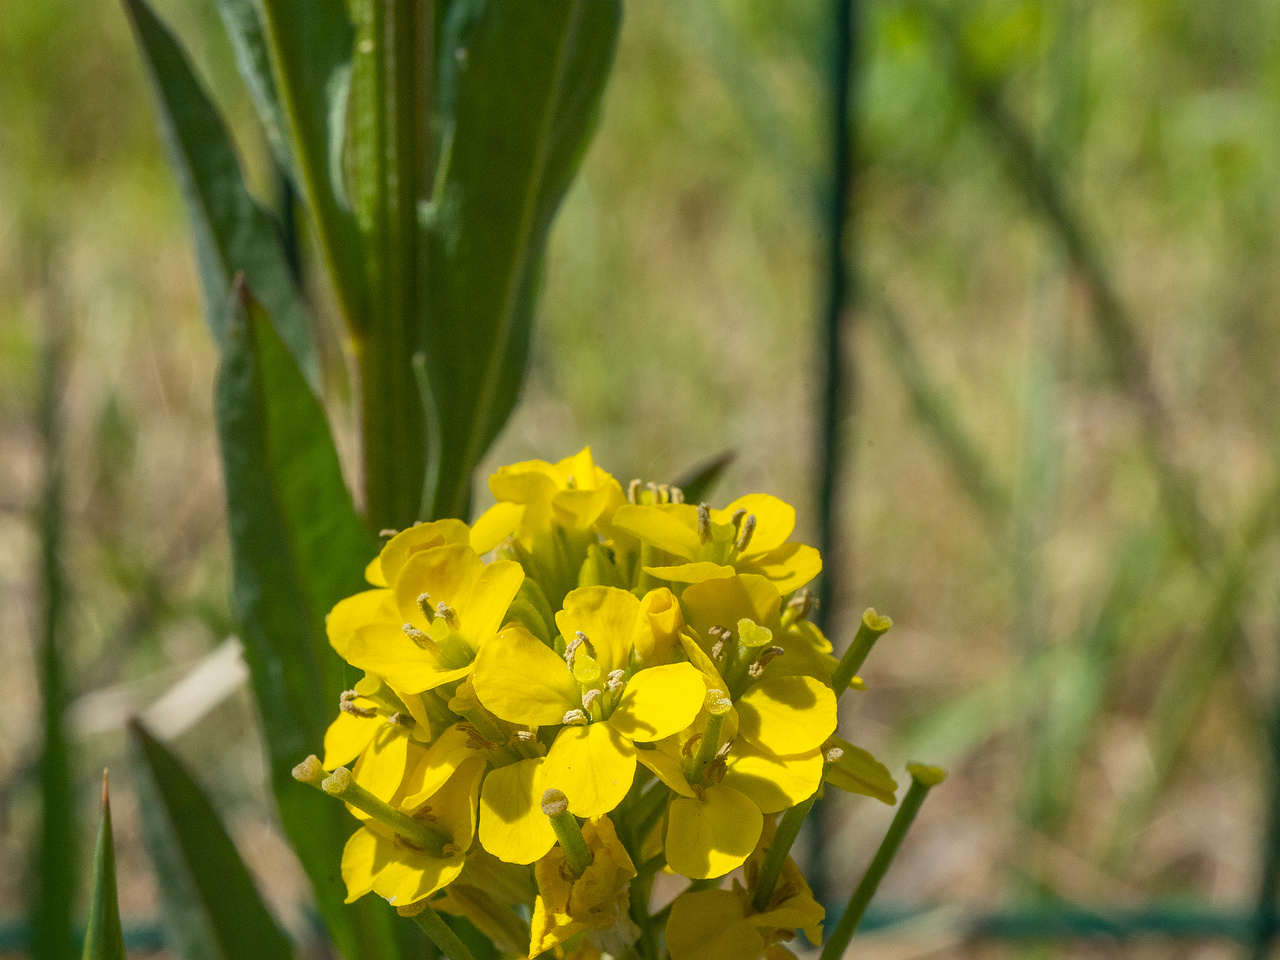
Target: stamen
x=347, y=704
x=717, y=651
x=664, y=493
x=833, y=755
x=738, y=514
x=387, y=532
x=575, y=718
x=633, y=491
x=424, y=603
x=420, y=638
x=744, y=535
x=704, y=523
x=525, y=736
x=450, y=615
x=802, y=603
x=589, y=698
x=572, y=647
x=766, y=658
x=616, y=680
x=570, y=483
x=677, y=495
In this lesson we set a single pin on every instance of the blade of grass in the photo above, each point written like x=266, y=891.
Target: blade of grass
x=211, y=906
x=103, y=938
x=56, y=864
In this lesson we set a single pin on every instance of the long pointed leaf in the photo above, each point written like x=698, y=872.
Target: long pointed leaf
x=243, y=23
x=524, y=104
x=233, y=234
x=297, y=547
x=310, y=43
x=211, y=906
x=103, y=938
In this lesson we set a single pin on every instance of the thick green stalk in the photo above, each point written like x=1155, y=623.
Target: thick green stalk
x=923, y=779
x=440, y=934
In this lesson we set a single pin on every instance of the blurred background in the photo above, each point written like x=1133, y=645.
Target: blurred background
x=1058, y=465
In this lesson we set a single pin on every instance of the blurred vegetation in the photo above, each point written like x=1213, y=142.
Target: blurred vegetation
x=1063, y=469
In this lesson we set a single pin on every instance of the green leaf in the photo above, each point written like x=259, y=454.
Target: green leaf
x=520, y=101
x=211, y=906
x=103, y=938
x=310, y=43
x=243, y=23
x=697, y=484
x=233, y=234
x=297, y=547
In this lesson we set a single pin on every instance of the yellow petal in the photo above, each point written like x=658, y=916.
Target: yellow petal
x=494, y=919
x=383, y=649
x=708, y=925
x=710, y=837
x=373, y=572
x=438, y=763
x=775, y=520
x=347, y=737
x=789, y=567
x=361, y=862
x=520, y=679
x=579, y=509
x=773, y=783
x=859, y=772
x=351, y=614
x=593, y=766
x=668, y=769
x=415, y=539
x=512, y=825
x=382, y=767
x=457, y=577
x=452, y=809
x=659, y=702
x=414, y=875
x=670, y=527
x=692, y=572
x=495, y=525
x=723, y=602
x=659, y=625
x=607, y=615
x=787, y=715
x=698, y=657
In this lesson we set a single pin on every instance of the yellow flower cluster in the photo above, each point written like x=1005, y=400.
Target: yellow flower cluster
x=587, y=687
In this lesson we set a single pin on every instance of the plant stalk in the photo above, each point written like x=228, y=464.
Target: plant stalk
x=434, y=927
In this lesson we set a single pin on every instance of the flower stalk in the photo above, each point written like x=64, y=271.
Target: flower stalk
x=872, y=627
x=923, y=779
x=577, y=855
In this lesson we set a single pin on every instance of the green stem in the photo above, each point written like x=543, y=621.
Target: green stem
x=577, y=855
x=444, y=938
x=648, y=809
x=771, y=869
x=870, y=630
x=923, y=779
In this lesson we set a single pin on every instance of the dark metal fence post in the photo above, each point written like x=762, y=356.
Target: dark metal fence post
x=838, y=384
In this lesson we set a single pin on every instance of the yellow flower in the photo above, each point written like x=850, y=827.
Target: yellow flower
x=379, y=860
x=447, y=603
x=748, y=536
x=605, y=705
x=551, y=513
x=723, y=925
x=596, y=902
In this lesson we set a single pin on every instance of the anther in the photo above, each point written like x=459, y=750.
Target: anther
x=717, y=650
x=744, y=534
x=615, y=680
x=450, y=615
x=633, y=491
x=570, y=482
x=833, y=755
x=736, y=519
x=424, y=604
x=525, y=736
x=677, y=495
x=418, y=637
x=704, y=523
x=664, y=493
x=347, y=704
x=575, y=718
x=589, y=698
x=387, y=532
